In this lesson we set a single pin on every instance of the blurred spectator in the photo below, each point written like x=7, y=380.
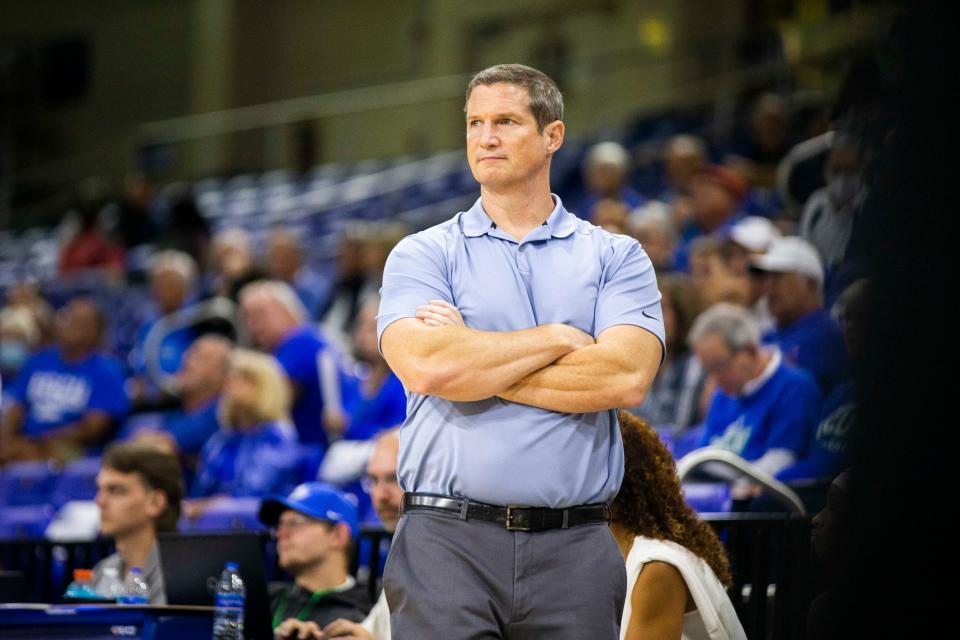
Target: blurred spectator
x=828, y=447
x=278, y=324
x=186, y=229
x=19, y=336
x=89, y=247
x=767, y=141
x=255, y=451
x=65, y=398
x=749, y=238
x=200, y=382
x=136, y=222
x=173, y=276
x=675, y=400
x=683, y=157
x=606, y=169
x=714, y=279
x=652, y=227
x=805, y=332
x=362, y=256
x=232, y=265
x=380, y=401
x=315, y=527
x=139, y=493
x=763, y=409
x=285, y=263
x=827, y=219
x=716, y=196
x=610, y=215
x=26, y=295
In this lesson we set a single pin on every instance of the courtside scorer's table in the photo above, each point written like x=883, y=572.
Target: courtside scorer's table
x=104, y=622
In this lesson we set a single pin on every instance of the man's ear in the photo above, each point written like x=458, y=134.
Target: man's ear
x=554, y=134
x=342, y=535
x=156, y=503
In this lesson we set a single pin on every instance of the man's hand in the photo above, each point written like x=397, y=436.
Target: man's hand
x=346, y=630
x=438, y=313
x=293, y=629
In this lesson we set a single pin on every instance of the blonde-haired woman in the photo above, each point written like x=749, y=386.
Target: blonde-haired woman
x=255, y=451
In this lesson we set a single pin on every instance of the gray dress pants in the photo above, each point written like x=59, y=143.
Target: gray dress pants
x=452, y=579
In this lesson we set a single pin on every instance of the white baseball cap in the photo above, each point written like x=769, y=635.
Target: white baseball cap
x=791, y=255
x=755, y=233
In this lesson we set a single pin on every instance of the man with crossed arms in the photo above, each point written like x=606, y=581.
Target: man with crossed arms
x=517, y=330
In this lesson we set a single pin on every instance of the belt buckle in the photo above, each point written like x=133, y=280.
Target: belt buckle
x=509, y=521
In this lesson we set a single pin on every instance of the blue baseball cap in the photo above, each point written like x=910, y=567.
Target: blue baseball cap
x=315, y=499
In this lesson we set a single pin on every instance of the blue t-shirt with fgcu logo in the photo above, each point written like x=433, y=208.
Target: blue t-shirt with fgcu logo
x=55, y=393
x=781, y=414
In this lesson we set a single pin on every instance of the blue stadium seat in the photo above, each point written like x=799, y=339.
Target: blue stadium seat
x=24, y=522
x=227, y=514
x=25, y=483
x=77, y=481
x=708, y=497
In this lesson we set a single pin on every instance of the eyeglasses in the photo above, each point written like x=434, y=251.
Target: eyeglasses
x=292, y=523
x=368, y=482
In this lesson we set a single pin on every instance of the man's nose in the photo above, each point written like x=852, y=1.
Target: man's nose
x=488, y=137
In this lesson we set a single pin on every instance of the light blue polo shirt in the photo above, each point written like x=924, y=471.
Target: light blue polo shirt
x=566, y=271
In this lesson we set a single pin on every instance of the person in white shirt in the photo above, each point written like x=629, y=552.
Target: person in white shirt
x=676, y=567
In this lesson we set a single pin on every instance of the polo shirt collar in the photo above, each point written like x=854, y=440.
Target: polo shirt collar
x=475, y=222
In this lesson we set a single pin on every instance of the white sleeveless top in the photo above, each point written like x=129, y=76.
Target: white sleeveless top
x=714, y=618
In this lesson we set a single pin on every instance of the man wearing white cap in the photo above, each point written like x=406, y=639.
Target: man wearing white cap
x=805, y=332
x=749, y=238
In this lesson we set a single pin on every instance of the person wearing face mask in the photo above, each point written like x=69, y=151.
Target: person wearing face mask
x=828, y=216
x=18, y=337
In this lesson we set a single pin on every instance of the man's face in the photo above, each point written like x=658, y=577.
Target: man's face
x=283, y=259
x=204, y=365
x=169, y=289
x=730, y=371
x=712, y=203
x=126, y=504
x=78, y=325
x=266, y=319
x=503, y=144
x=385, y=492
x=788, y=295
x=302, y=541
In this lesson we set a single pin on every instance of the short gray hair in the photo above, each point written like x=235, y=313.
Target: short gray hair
x=608, y=153
x=546, y=102
x=731, y=323
x=279, y=292
x=178, y=262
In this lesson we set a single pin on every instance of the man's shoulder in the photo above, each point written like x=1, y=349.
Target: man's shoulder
x=795, y=381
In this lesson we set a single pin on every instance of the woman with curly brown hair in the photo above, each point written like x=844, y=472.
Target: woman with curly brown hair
x=676, y=566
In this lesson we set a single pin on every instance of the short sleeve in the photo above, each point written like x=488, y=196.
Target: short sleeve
x=17, y=391
x=628, y=293
x=415, y=273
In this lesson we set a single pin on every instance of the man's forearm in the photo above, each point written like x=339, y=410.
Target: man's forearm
x=595, y=378
x=458, y=363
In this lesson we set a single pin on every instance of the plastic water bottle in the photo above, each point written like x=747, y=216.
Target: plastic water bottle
x=135, y=589
x=82, y=586
x=110, y=585
x=228, y=605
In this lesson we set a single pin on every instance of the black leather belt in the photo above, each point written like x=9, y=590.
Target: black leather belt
x=513, y=518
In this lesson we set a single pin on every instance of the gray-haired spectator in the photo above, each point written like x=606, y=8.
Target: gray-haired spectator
x=279, y=324
x=683, y=156
x=19, y=336
x=606, y=171
x=763, y=409
x=652, y=226
x=805, y=332
x=173, y=277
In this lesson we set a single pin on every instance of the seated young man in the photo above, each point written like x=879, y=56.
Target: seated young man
x=315, y=526
x=139, y=489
